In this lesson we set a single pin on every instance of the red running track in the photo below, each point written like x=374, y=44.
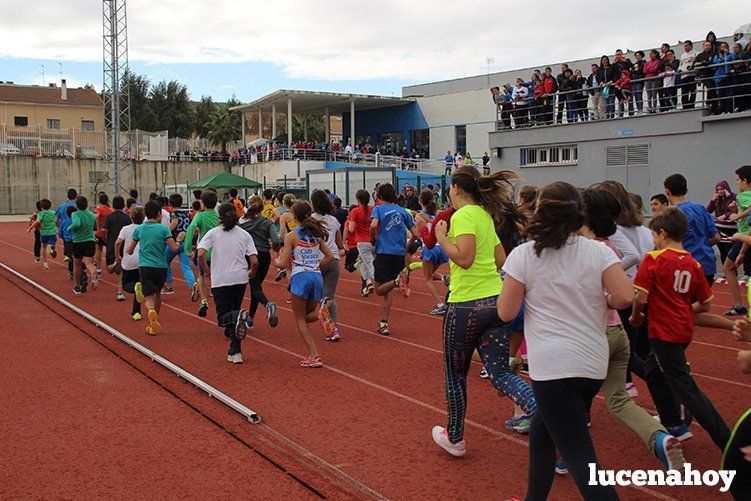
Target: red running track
x=369, y=411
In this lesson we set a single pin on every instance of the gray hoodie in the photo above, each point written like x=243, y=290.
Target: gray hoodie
x=262, y=230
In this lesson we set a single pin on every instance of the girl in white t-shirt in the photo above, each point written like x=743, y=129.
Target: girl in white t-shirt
x=234, y=260
x=560, y=277
x=324, y=210
x=129, y=262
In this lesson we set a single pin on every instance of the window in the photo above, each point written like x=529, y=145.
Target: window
x=460, y=135
x=549, y=156
x=87, y=125
x=627, y=154
x=53, y=123
x=21, y=121
x=420, y=141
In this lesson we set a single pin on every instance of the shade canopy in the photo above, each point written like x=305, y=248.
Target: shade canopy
x=225, y=180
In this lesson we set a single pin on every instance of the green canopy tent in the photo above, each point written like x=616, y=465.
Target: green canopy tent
x=224, y=180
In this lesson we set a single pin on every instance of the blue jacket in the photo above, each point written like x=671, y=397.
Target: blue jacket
x=721, y=72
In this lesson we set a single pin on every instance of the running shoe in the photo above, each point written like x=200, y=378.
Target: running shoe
x=364, y=291
x=520, y=424
x=271, y=314
x=441, y=438
x=77, y=290
x=446, y=280
x=136, y=316
x=195, y=292
x=669, y=451
x=312, y=362
x=98, y=272
x=66, y=259
x=736, y=310
x=237, y=358
x=119, y=296
x=560, y=467
x=439, y=310
x=53, y=252
x=154, y=326
x=324, y=315
x=370, y=286
x=335, y=336
x=288, y=300
x=249, y=322
x=383, y=329
x=631, y=390
x=280, y=275
x=686, y=416
x=45, y=266
x=167, y=289
x=681, y=432
x=84, y=285
x=94, y=283
x=241, y=326
x=138, y=291
x=484, y=374
x=36, y=260
x=402, y=281
x=203, y=309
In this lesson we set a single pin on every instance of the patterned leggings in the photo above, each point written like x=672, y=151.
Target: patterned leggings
x=470, y=326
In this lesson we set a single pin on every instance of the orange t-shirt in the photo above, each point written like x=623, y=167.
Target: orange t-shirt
x=101, y=212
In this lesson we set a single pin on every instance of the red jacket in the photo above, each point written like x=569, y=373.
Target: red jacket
x=428, y=237
x=548, y=85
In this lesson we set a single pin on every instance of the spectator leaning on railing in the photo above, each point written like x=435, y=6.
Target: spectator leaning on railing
x=606, y=76
x=561, y=101
x=593, y=86
x=637, y=87
x=621, y=63
x=687, y=78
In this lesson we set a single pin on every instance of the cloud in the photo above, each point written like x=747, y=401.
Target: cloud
x=227, y=87
x=416, y=40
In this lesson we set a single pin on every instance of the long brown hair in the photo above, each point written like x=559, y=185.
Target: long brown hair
x=255, y=206
x=427, y=199
x=528, y=196
x=494, y=194
x=303, y=213
x=558, y=215
x=630, y=215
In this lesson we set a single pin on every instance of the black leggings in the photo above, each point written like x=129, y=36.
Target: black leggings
x=733, y=458
x=128, y=282
x=256, y=284
x=560, y=423
x=37, y=243
x=228, y=300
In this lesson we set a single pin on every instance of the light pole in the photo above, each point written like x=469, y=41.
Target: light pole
x=489, y=60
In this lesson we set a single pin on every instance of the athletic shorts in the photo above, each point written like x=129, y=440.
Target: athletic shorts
x=387, y=267
x=129, y=279
x=48, y=239
x=517, y=324
x=100, y=242
x=436, y=255
x=350, y=259
x=83, y=249
x=733, y=255
x=152, y=279
x=307, y=285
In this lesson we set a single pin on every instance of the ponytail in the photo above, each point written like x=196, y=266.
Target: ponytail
x=255, y=206
x=304, y=215
x=228, y=216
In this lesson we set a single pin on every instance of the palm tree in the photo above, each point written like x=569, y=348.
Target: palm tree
x=223, y=128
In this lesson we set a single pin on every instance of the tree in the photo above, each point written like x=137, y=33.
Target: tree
x=141, y=114
x=205, y=110
x=316, y=128
x=223, y=128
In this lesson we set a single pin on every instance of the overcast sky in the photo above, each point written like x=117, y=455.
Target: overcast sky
x=250, y=48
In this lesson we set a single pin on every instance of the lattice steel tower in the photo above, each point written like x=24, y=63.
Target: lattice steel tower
x=115, y=91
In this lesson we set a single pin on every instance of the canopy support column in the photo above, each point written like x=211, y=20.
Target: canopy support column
x=289, y=121
x=273, y=121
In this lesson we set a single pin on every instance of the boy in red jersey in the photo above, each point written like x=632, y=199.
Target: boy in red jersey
x=674, y=285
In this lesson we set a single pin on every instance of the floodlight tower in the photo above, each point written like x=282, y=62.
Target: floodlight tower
x=115, y=90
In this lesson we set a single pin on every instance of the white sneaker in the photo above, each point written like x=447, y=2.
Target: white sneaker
x=237, y=358
x=119, y=296
x=631, y=390
x=440, y=437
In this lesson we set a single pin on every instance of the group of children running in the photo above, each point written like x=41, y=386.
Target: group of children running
x=562, y=276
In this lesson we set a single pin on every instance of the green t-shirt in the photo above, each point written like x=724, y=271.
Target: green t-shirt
x=82, y=225
x=743, y=200
x=203, y=221
x=152, y=238
x=481, y=280
x=46, y=220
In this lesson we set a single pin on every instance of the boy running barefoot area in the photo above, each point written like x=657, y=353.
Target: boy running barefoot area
x=739, y=254
x=674, y=286
x=204, y=220
x=235, y=260
x=129, y=262
x=302, y=251
x=45, y=224
x=82, y=226
x=153, y=238
x=388, y=233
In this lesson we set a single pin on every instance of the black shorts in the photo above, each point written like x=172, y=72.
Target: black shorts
x=387, y=267
x=152, y=279
x=733, y=255
x=129, y=279
x=100, y=242
x=81, y=250
x=350, y=259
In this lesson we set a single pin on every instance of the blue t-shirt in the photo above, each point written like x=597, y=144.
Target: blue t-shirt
x=62, y=214
x=393, y=223
x=700, y=229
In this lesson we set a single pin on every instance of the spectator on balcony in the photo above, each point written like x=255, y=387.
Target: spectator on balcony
x=669, y=89
x=738, y=77
x=561, y=99
x=579, y=96
x=519, y=96
x=637, y=81
x=606, y=76
x=537, y=110
x=706, y=75
x=739, y=38
x=721, y=80
x=687, y=80
x=449, y=159
x=502, y=106
x=485, y=164
x=565, y=86
x=595, y=91
x=621, y=63
x=652, y=84
x=458, y=159
x=712, y=39
x=623, y=92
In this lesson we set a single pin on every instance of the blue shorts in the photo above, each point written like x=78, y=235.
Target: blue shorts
x=517, y=324
x=307, y=285
x=48, y=239
x=436, y=255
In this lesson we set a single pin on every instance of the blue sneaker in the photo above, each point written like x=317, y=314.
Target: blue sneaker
x=560, y=467
x=669, y=451
x=520, y=424
x=249, y=323
x=681, y=432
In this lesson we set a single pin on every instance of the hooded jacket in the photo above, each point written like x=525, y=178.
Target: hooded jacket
x=721, y=206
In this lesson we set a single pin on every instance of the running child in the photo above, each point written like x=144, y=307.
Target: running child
x=388, y=233
x=101, y=211
x=324, y=212
x=129, y=262
x=44, y=225
x=359, y=225
x=739, y=252
x=351, y=255
x=35, y=227
x=675, y=287
x=204, y=220
x=113, y=224
x=234, y=261
x=82, y=226
x=179, y=223
x=286, y=222
x=432, y=258
x=265, y=238
x=268, y=204
x=153, y=237
x=62, y=220
x=302, y=251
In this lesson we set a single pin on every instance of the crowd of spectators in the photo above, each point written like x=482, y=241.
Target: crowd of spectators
x=649, y=84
